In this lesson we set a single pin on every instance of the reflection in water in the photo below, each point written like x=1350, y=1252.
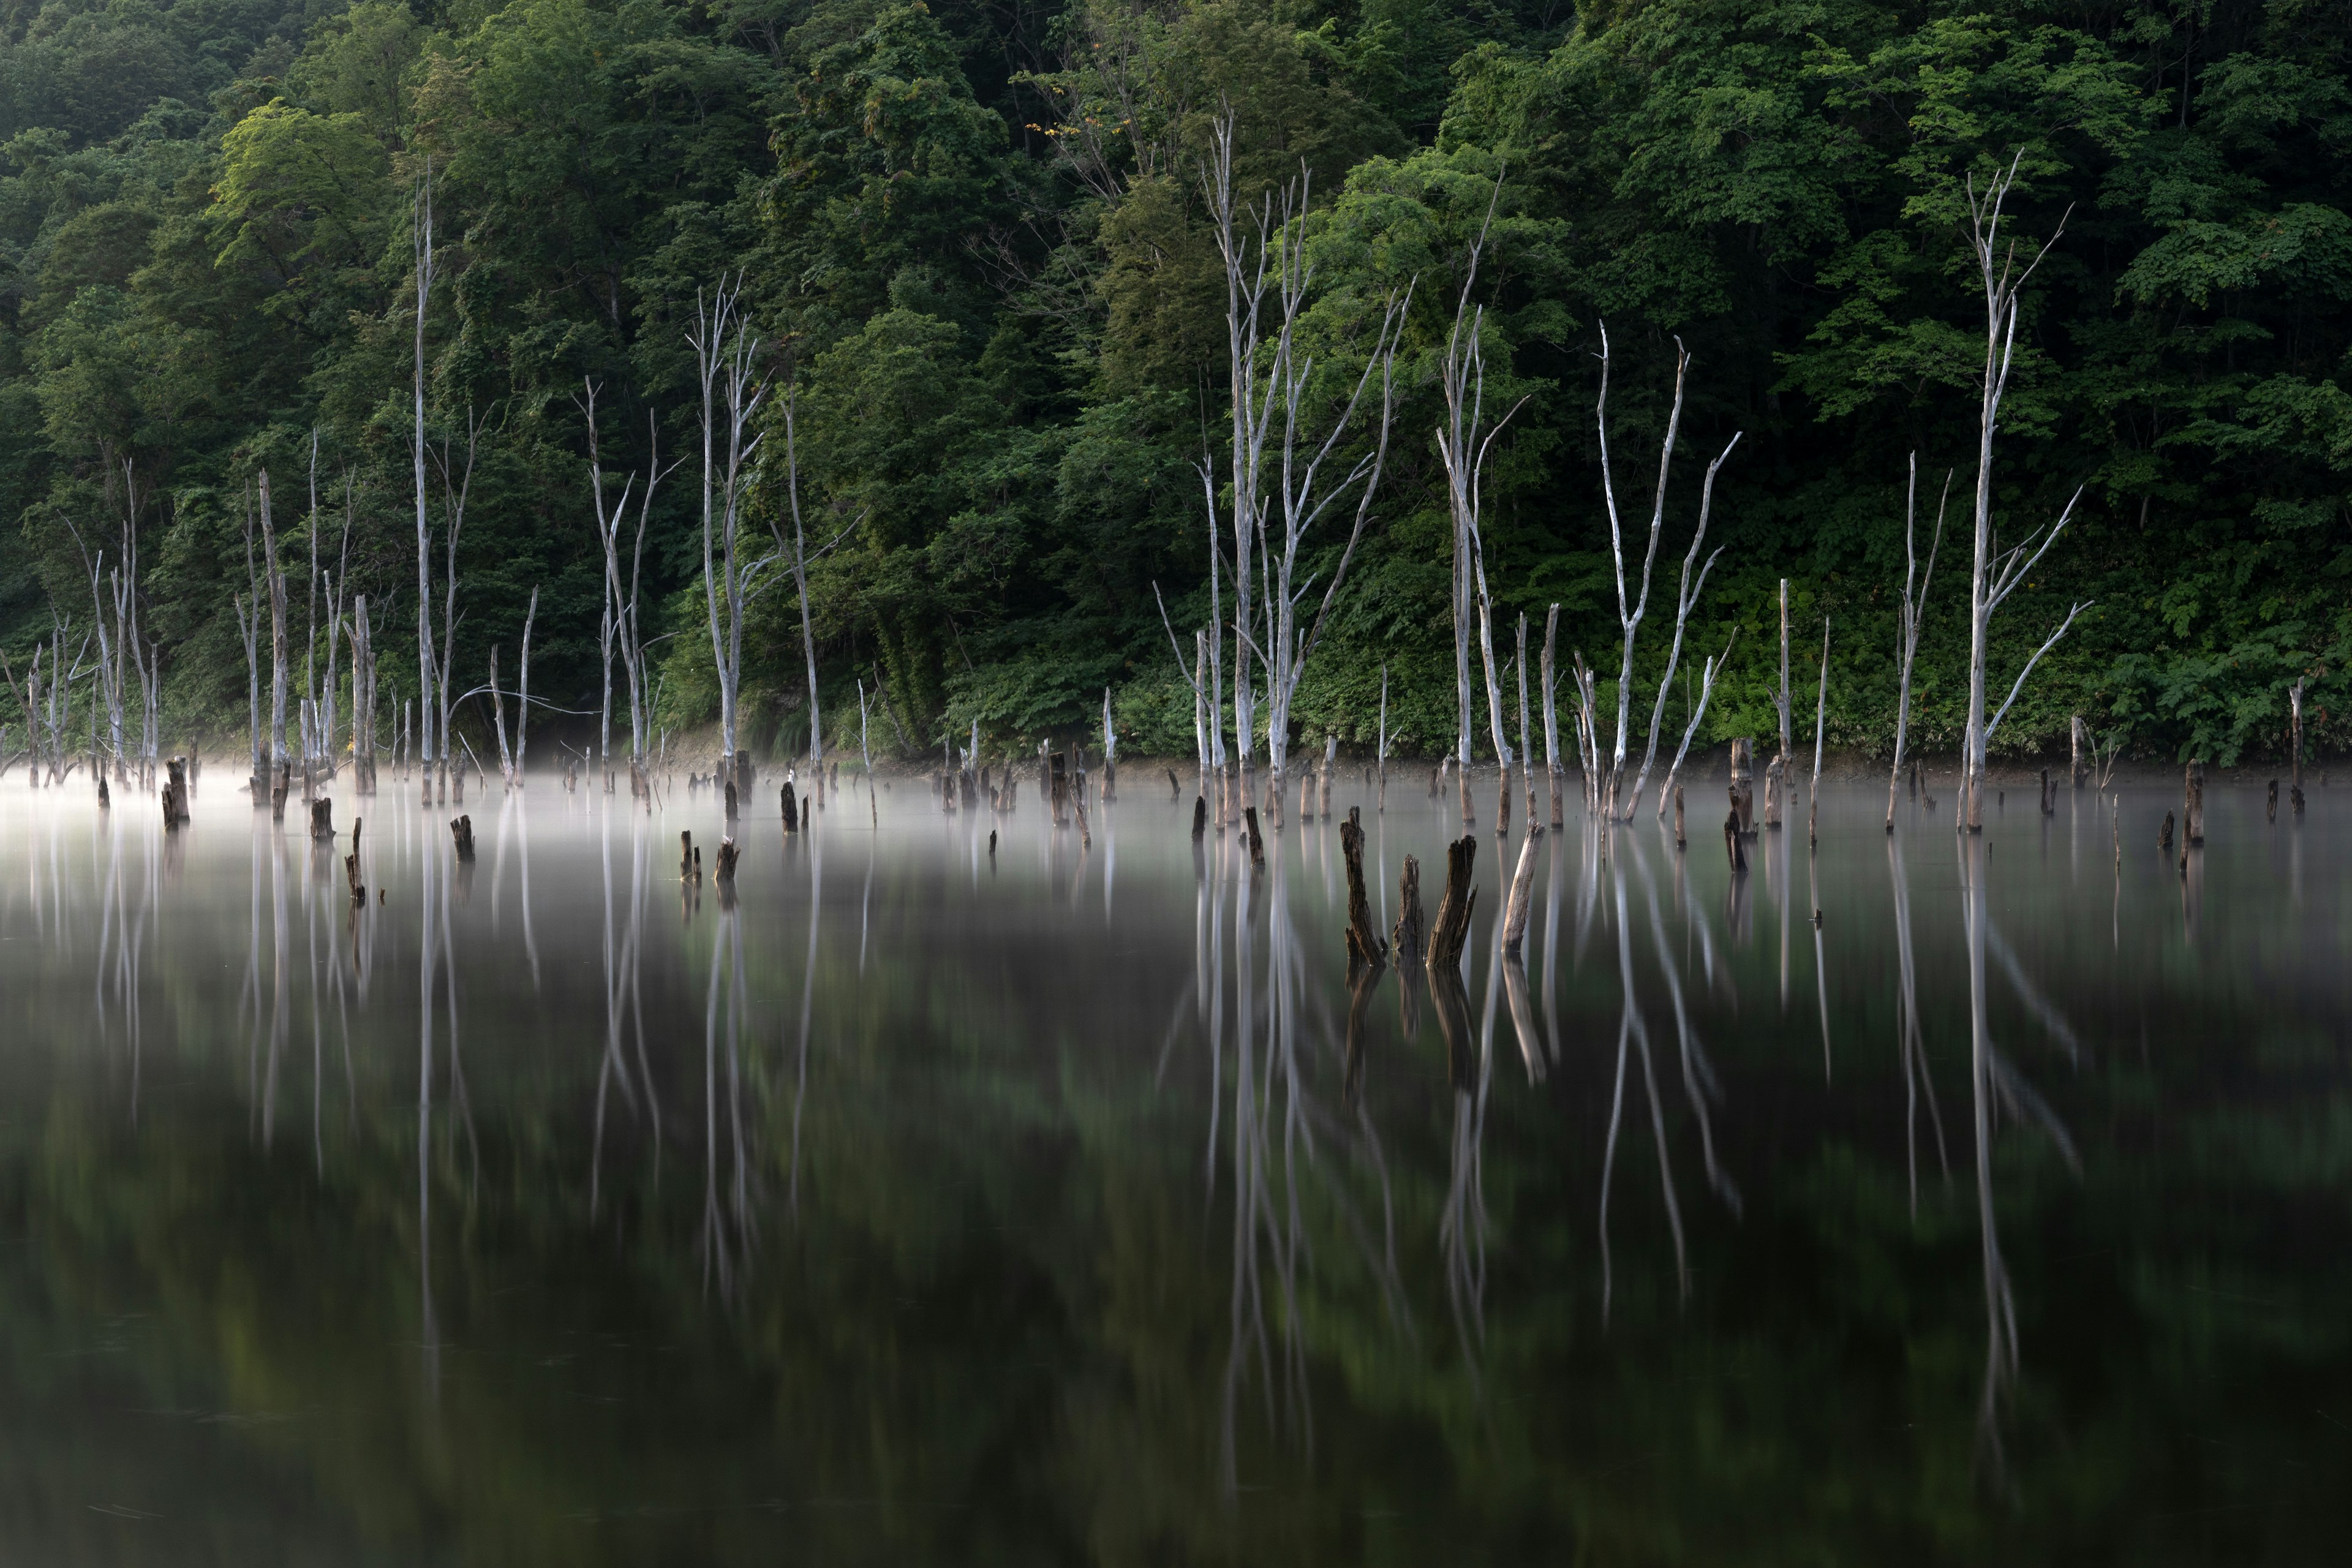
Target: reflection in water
x=1009, y=1298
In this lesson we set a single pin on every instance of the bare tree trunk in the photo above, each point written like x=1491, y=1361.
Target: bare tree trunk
x=726, y=351
x=363, y=699
x=1912, y=605
x=1714, y=668
x=1821, y=716
x=1995, y=574
x=499, y=717
x=422, y=243
x=277, y=754
x=1776, y=777
x=1552, y=715
x=1527, y=771
x=523, y=697
x=1630, y=614
x=1381, y=802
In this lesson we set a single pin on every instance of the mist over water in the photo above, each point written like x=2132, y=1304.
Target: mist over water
x=915, y=1202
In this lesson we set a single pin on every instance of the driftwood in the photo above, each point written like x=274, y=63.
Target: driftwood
x=1408, y=932
x=1452, y=927
x=728, y=855
x=1365, y=943
x=461, y=833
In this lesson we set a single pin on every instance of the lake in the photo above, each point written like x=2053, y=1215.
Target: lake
x=1064, y=1201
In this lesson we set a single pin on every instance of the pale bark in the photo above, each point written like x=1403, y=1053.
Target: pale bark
x=277, y=586
x=1995, y=572
x=522, y=696
x=726, y=361
x=1685, y=598
x=1908, y=625
x=421, y=239
x=1630, y=616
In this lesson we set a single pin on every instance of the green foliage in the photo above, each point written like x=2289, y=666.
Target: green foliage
x=976, y=250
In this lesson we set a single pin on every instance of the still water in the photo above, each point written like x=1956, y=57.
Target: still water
x=1066, y=1204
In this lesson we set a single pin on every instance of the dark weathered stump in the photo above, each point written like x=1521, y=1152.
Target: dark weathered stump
x=461, y=833
x=687, y=863
x=2270, y=808
x=731, y=800
x=351, y=866
x=323, y=818
x=2193, y=805
x=792, y=809
x=1200, y=816
x=1175, y=790
x=1734, y=844
x=728, y=855
x=2164, y=834
x=1408, y=932
x=1679, y=840
x=1256, y=844
x=1365, y=942
x=1451, y=930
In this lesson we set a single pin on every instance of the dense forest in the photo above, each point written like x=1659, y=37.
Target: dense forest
x=985, y=328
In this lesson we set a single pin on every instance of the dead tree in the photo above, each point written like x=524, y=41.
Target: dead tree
x=429, y=676
x=456, y=488
x=1452, y=928
x=1820, y=719
x=733, y=387
x=1252, y=409
x=498, y=721
x=619, y=626
x=1776, y=775
x=522, y=693
x=277, y=586
x=1907, y=628
x=1283, y=388
x=1714, y=668
x=1464, y=444
x=1687, y=595
x=1407, y=930
x=1552, y=715
x=1365, y=943
x=1996, y=573
x=363, y=696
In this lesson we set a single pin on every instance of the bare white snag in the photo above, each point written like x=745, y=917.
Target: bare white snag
x=733, y=387
x=1996, y=573
x=1909, y=624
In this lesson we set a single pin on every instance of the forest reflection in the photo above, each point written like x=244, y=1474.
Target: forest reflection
x=964, y=1118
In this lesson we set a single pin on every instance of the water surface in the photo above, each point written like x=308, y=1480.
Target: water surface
x=1067, y=1203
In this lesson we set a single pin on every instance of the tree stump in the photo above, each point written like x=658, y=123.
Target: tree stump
x=792, y=809
x=2193, y=807
x=2164, y=834
x=1365, y=943
x=461, y=833
x=728, y=855
x=2270, y=807
x=1734, y=844
x=1407, y=930
x=1200, y=816
x=1523, y=883
x=731, y=800
x=688, y=866
x=1256, y=844
x=1452, y=928
x=323, y=818
x=1743, y=783
x=352, y=867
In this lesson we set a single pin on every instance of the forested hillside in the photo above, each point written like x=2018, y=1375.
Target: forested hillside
x=975, y=241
